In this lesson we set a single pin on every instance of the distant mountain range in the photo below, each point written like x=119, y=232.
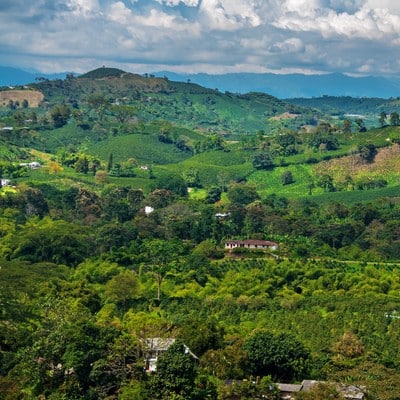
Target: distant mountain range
x=281, y=86
x=294, y=85
x=14, y=76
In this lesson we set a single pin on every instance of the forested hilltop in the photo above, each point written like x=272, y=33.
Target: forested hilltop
x=262, y=236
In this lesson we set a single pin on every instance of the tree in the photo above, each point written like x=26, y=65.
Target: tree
x=60, y=115
x=348, y=346
x=34, y=202
x=101, y=177
x=53, y=241
x=191, y=177
x=159, y=255
x=361, y=125
x=176, y=374
x=287, y=178
x=99, y=102
x=346, y=126
x=262, y=161
x=122, y=288
x=325, y=181
x=82, y=165
x=174, y=183
x=55, y=167
x=394, y=119
x=282, y=356
x=382, y=118
x=324, y=139
x=122, y=113
x=368, y=152
x=110, y=162
x=242, y=193
x=213, y=195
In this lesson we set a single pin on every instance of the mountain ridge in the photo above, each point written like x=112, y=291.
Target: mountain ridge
x=295, y=85
x=10, y=76
x=283, y=86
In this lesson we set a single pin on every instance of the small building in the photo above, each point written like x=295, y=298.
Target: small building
x=288, y=391
x=31, y=165
x=251, y=244
x=4, y=182
x=154, y=347
x=148, y=210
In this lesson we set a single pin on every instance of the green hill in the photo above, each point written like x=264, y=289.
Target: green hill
x=185, y=104
x=103, y=72
x=181, y=128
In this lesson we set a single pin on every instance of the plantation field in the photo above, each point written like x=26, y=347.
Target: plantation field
x=146, y=149
x=357, y=196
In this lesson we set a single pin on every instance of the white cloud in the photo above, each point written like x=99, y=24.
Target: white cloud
x=290, y=45
x=228, y=15
x=174, y=3
x=83, y=7
x=202, y=35
x=366, y=23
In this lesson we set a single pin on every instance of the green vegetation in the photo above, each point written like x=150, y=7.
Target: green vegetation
x=119, y=193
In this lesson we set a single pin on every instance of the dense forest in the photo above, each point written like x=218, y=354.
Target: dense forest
x=118, y=195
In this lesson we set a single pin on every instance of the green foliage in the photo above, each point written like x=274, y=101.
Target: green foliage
x=213, y=195
x=368, y=152
x=49, y=240
x=86, y=276
x=262, y=161
x=282, y=356
x=103, y=72
x=287, y=178
x=241, y=193
x=248, y=389
x=320, y=391
x=175, y=375
x=60, y=115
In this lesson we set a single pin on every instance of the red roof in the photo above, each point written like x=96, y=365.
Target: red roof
x=253, y=242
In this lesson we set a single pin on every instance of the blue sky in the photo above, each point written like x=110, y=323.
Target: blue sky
x=358, y=37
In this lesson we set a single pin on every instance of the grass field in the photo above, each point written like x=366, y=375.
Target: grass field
x=146, y=149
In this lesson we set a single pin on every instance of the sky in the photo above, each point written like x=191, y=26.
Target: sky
x=355, y=37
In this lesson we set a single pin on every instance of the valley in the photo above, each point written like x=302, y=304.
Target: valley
x=118, y=194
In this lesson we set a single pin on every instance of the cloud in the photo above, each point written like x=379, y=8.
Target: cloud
x=174, y=3
x=365, y=23
x=351, y=36
x=225, y=15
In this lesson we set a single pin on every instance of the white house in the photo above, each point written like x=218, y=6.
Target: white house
x=251, y=244
x=154, y=347
x=4, y=182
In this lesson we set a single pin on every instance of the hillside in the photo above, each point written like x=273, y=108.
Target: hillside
x=33, y=97
x=349, y=105
x=184, y=104
x=261, y=235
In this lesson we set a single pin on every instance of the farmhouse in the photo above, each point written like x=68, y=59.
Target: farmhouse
x=251, y=244
x=31, y=165
x=4, y=182
x=154, y=347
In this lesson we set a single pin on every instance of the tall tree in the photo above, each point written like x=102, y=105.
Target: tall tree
x=282, y=356
x=176, y=373
x=395, y=118
x=382, y=118
x=159, y=255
